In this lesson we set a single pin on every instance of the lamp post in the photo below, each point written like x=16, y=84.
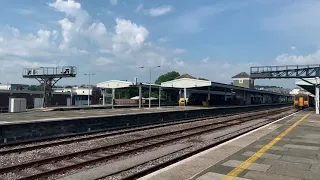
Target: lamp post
x=150, y=67
x=89, y=86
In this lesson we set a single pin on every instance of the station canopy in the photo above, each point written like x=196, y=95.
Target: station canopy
x=114, y=84
x=186, y=83
x=307, y=83
x=177, y=83
x=117, y=84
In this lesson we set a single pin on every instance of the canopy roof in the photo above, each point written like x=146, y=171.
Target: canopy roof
x=308, y=84
x=115, y=84
x=181, y=83
x=186, y=83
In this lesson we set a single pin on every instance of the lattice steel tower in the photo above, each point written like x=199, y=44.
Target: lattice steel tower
x=48, y=77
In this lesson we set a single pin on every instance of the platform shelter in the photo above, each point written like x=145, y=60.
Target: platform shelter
x=118, y=84
x=202, y=91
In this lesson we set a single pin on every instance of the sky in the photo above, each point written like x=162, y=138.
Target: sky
x=113, y=38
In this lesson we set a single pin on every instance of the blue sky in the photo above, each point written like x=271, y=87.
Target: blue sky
x=212, y=39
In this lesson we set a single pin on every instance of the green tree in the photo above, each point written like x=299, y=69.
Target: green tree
x=201, y=78
x=35, y=88
x=167, y=77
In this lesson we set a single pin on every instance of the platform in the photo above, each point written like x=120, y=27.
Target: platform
x=86, y=107
x=40, y=115
x=288, y=149
x=75, y=114
x=33, y=126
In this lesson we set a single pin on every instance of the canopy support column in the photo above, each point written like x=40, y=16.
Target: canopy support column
x=317, y=95
x=113, y=96
x=185, y=96
x=159, y=96
x=103, y=96
x=140, y=98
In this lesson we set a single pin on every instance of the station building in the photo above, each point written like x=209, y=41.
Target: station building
x=34, y=99
x=184, y=90
x=80, y=95
x=190, y=91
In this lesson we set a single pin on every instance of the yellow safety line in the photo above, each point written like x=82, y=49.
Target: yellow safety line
x=235, y=172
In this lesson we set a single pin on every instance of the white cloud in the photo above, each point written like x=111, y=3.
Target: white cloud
x=178, y=62
x=194, y=21
x=205, y=60
x=25, y=11
x=293, y=48
x=114, y=2
x=286, y=59
x=55, y=34
x=70, y=8
x=15, y=32
x=159, y=11
x=101, y=61
x=84, y=42
x=296, y=20
x=163, y=39
x=139, y=8
x=216, y=70
x=128, y=36
x=26, y=45
x=179, y=51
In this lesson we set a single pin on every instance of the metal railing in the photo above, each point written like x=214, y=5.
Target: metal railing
x=290, y=71
x=261, y=69
x=46, y=71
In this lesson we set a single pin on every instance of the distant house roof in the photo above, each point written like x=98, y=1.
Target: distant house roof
x=186, y=76
x=242, y=75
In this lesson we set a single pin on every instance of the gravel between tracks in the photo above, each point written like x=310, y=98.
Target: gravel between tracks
x=16, y=158
x=196, y=142
x=166, y=158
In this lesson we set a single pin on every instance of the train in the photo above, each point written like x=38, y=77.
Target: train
x=302, y=101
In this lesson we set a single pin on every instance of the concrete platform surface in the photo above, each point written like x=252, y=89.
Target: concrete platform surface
x=86, y=107
x=288, y=149
x=76, y=114
x=57, y=115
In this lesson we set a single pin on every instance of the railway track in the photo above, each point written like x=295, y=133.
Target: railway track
x=141, y=171
x=42, y=168
x=27, y=146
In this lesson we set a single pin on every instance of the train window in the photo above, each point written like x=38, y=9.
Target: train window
x=306, y=98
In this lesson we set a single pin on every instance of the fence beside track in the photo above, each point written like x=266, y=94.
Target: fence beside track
x=32, y=131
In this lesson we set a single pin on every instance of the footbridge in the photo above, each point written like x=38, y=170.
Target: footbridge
x=308, y=76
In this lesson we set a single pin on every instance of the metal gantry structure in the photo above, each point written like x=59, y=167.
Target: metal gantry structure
x=291, y=71
x=48, y=77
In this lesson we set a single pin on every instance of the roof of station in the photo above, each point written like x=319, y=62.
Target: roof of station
x=193, y=83
x=242, y=75
x=307, y=84
x=180, y=83
x=186, y=76
x=117, y=84
x=186, y=83
x=29, y=92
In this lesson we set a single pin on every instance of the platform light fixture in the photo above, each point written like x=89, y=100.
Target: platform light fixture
x=150, y=67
